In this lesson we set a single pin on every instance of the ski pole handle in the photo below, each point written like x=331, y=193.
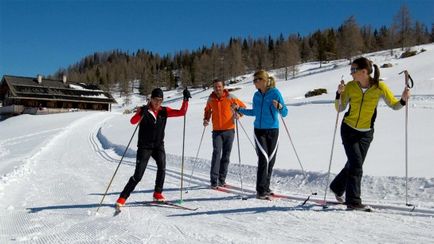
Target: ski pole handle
x=409, y=83
x=341, y=87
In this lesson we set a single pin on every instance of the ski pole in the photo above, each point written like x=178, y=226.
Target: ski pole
x=119, y=164
x=247, y=135
x=195, y=159
x=409, y=86
x=332, y=150
x=182, y=161
x=243, y=197
x=298, y=159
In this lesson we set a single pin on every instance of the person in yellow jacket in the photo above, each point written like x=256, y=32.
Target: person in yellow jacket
x=219, y=109
x=357, y=130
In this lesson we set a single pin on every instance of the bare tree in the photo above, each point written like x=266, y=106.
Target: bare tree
x=259, y=55
x=234, y=59
x=288, y=55
x=186, y=76
x=403, y=23
x=281, y=54
x=350, y=39
x=204, y=69
x=294, y=56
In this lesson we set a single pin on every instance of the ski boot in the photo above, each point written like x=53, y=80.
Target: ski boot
x=158, y=197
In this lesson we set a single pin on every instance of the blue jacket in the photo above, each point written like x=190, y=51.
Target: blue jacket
x=266, y=115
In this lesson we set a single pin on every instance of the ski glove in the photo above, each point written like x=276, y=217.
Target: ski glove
x=186, y=94
x=142, y=110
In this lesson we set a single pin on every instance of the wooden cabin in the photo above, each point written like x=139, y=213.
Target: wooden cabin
x=18, y=94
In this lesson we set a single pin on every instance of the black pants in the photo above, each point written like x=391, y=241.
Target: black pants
x=222, y=145
x=143, y=155
x=356, y=144
x=267, y=139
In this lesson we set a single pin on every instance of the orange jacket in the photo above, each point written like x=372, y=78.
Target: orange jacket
x=220, y=110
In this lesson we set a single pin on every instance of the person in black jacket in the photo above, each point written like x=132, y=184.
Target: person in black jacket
x=152, y=118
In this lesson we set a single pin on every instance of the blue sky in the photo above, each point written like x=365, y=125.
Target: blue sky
x=39, y=37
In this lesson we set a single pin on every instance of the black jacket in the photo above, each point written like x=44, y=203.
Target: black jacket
x=151, y=130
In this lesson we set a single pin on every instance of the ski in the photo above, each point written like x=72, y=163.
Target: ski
x=226, y=189
x=365, y=209
x=170, y=205
x=222, y=189
x=288, y=197
x=374, y=207
x=166, y=204
x=268, y=198
x=235, y=190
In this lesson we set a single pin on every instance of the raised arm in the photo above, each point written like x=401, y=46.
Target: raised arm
x=178, y=112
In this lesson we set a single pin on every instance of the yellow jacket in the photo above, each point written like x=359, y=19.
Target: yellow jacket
x=363, y=106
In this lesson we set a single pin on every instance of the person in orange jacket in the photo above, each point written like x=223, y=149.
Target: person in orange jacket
x=218, y=108
x=152, y=118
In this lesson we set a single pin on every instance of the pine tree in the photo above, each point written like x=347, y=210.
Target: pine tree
x=368, y=39
x=330, y=44
x=319, y=44
x=246, y=54
x=306, y=50
x=432, y=32
x=421, y=35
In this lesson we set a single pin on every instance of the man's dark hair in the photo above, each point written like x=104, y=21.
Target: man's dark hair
x=218, y=80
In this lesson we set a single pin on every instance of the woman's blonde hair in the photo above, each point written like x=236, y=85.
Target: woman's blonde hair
x=265, y=76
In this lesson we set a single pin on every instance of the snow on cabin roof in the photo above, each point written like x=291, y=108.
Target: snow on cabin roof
x=50, y=89
x=84, y=87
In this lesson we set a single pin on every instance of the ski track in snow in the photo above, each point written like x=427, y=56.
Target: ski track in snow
x=10, y=145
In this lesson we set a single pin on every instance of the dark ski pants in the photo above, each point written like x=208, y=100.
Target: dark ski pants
x=356, y=144
x=267, y=139
x=143, y=155
x=222, y=145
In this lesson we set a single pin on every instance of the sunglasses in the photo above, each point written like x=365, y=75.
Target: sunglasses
x=157, y=99
x=256, y=80
x=354, y=70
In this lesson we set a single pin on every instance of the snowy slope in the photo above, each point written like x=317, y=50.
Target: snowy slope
x=55, y=168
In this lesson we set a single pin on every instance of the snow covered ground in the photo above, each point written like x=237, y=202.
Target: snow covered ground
x=54, y=170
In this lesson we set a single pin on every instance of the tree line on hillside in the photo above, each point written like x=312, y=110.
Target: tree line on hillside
x=240, y=55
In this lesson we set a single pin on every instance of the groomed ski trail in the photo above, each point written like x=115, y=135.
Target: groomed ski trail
x=55, y=202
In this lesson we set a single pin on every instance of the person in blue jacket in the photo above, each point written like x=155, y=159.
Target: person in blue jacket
x=267, y=104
